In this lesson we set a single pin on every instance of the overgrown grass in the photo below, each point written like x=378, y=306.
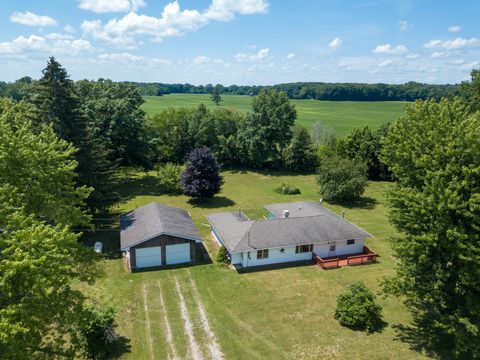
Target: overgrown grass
x=276, y=314
x=341, y=116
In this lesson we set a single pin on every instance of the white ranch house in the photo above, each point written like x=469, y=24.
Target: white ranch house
x=299, y=231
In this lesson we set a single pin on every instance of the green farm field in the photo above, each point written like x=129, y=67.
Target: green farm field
x=282, y=313
x=341, y=116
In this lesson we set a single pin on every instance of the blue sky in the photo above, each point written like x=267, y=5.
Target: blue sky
x=243, y=41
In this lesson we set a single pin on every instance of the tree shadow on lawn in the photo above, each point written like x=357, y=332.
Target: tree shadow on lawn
x=121, y=347
x=378, y=328
x=422, y=336
x=110, y=239
x=264, y=172
x=211, y=203
x=147, y=185
x=364, y=202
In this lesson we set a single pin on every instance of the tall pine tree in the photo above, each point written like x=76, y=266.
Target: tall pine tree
x=57, y=105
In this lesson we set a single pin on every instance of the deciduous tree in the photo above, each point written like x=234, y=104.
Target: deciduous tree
x=201, y=178
x=433, y=152
x=267, y=129
x=341, y=179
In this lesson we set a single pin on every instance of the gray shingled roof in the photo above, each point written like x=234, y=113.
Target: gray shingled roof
x=155, y=219
x=308, y=223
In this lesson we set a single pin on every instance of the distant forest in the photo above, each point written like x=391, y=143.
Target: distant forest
x=316, y=90
x=302, y=90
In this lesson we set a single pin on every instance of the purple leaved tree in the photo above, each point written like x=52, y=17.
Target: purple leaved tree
x=201, y=178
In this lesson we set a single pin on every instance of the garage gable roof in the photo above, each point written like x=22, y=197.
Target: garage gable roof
x=152, y=220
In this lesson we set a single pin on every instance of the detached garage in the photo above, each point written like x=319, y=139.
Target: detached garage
x=158, y=235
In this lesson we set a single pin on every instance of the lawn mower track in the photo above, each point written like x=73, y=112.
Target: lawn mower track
x=168, y=329
x=147, y=322
x=213, y=345
x=194, y=348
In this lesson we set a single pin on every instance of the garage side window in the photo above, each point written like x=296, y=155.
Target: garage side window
x=351, y=242
x=262, y=254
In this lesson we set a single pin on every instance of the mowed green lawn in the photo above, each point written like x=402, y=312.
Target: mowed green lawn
x=341, y=116
x=285, y=313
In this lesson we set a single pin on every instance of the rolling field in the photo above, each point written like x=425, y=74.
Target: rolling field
x=341, y=116
x=211, y=312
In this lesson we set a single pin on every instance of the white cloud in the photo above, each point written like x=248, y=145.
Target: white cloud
x=225, y=10
x=388, y=49
x=290, y=56
x=437, y=54
x=172, y=22
x=454, y=28
x=124, y=57
x=471, y=65
x=58, y=36
x=69, y=29
x=404, y=25
x=31, y=19
x=385, y=63
x=201, y=60
x=412, y=56
x=455, y=44
x=106, y=6
x=456, y=62
x=259, y=56
x=43, y=45
x=335, y=43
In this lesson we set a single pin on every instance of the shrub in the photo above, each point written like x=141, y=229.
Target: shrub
x=99, y=333
x=169, y=177
x=201, y=178
x=356, y=308
x=287, y=189
x=341, y=179
x=222, y=256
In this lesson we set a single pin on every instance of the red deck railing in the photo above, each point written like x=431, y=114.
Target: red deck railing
x=368, y=256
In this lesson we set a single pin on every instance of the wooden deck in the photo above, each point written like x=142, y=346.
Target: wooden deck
x=366, y=257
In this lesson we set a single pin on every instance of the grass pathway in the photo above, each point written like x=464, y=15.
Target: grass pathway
x=168, y=329
x=213, y=345
x=148, y=326
x=194, y=348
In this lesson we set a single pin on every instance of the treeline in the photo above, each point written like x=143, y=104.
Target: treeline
x=58, y=157
x=264, y=138
x=316, y=90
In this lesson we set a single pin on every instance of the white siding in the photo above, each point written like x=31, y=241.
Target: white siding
x=341, y=248
x=236, y=258
x=275, y=256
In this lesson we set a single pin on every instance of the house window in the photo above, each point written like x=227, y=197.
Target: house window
x=299, y=249
x=351, y=242
x=332, y=247
x=262, y=254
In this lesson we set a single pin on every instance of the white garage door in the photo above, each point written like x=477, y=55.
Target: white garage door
x=147, y=257
x=177, y=254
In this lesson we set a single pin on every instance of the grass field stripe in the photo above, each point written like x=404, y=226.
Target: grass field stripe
x=148, y=326
x=194, y=348
x=213, y=345
x=168, y=329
